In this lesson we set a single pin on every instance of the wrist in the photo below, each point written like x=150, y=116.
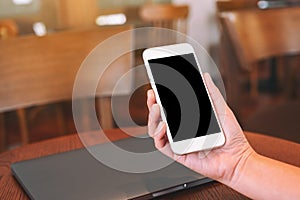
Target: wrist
x=239, y=166
x=249, y=156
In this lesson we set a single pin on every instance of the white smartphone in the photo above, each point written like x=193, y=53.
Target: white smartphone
x=186, y=107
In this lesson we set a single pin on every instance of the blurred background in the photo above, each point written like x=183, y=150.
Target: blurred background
x=255, y=44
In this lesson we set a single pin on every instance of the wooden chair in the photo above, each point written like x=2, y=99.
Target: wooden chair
x=8, y=28
x=229, y=5
x=227, y=53
x=41, y=70
x=267, y=44
x=166, y=16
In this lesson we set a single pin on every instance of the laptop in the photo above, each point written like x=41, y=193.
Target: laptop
x=78, y=175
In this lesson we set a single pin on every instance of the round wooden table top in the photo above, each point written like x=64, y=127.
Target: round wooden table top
x=10, y=189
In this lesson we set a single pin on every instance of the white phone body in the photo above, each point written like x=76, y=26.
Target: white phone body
x=197, y=143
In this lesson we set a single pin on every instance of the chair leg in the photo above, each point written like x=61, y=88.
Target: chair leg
x=61, y=119
x=2, y=133
x=86, y=123
x=254, y=82
x=23, y=126
x=291, y=80
x=105, y=112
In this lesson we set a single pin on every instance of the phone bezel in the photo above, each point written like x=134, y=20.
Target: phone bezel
x=194, y=144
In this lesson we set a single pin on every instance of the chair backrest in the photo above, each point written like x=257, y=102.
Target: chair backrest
x=166, y=16
x=253, y=37
x=41, y=70
x=8, y=28
x=276, y=33
x=229, y=5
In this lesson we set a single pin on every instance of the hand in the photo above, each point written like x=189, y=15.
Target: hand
x=222, y=163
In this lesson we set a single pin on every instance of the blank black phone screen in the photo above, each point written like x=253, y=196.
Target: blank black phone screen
x=183, y=97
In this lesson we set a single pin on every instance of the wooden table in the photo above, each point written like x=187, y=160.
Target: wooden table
x=10, y=189
x=257, y=35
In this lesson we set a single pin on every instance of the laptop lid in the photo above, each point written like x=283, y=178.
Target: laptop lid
x=78, y=175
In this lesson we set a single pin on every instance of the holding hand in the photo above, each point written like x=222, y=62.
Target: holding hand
x=235, y=164
x=220, y=164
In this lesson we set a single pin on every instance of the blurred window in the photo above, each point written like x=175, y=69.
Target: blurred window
x=22, y=2
x=9, y=8
x=113, y=19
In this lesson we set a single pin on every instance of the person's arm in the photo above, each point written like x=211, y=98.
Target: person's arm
x=235, y=164
x=260, y=177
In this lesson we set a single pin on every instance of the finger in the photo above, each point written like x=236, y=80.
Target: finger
x=215, y=94
x=161, y=141
x=159, y=136
x=231, y=126
x=153, y=119
x=150, y=99
x=167, y=150
x=217, y=98
x=228, y=121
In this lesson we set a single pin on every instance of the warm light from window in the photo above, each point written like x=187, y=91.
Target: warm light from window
x=39, y=29
x=263, y=4
x=22, y=2
x=114, y=19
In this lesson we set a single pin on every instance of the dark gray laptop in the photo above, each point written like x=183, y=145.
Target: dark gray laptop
x=78, y=175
